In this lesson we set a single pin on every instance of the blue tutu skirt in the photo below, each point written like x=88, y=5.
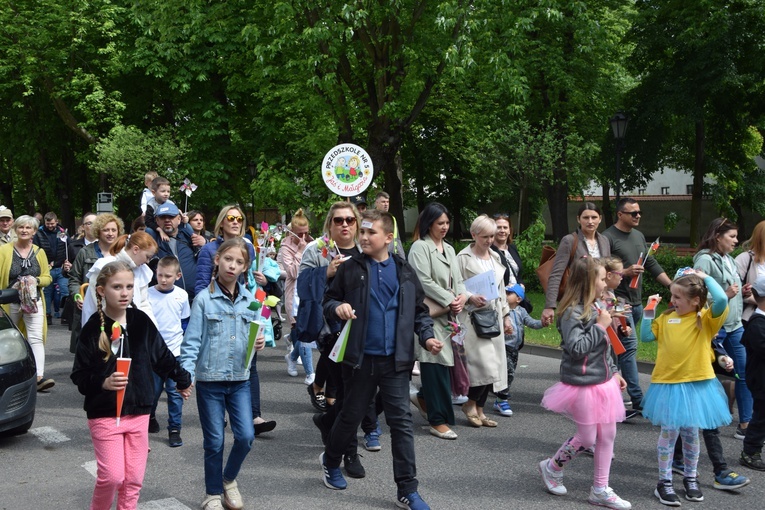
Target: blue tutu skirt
x=701, y=404
x=587, y=405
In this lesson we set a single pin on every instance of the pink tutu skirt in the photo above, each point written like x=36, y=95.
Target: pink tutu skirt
x=587, y=405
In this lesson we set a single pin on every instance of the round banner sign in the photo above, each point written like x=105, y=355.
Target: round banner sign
x=347, y=170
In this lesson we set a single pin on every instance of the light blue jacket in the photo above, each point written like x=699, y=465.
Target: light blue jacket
x=215, y=343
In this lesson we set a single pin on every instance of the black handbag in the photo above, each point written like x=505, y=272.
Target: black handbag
x=485, y=322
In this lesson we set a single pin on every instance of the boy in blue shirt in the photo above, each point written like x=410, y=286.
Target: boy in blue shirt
x=384, y=298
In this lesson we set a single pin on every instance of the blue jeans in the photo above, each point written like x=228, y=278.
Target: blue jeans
x=360, y=386
x=213, y=400
x=58, y=288
x=174, y=402
x=299, y=349
x=731, y=341
x=628, y=361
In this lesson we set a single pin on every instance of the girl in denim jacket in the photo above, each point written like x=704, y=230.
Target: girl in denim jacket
x=218, y=332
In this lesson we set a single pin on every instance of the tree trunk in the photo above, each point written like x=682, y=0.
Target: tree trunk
x=699, y=169
x=557, y=201
x=608, y=215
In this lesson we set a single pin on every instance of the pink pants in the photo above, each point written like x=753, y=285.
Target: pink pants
x=602, y=437
x=121, y=453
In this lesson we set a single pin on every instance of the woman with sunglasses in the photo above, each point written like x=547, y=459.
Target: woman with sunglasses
x=320, y=261
x=585, y=242
x=231, y=224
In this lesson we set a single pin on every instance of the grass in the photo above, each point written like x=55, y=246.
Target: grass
x=549, y=336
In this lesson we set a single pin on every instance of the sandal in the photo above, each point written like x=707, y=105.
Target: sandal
x=317, y=399
x=472, y=418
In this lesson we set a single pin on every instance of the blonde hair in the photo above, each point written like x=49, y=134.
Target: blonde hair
x=104, y=219
x=299, y=219
x=692, y=286
x=611, y=263
x=756, y=243
x=580, y=288
x=218, y=230
x=331, y=213
x=109, y=270
x=483, y=224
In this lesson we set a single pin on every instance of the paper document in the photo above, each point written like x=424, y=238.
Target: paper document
x=484, y=284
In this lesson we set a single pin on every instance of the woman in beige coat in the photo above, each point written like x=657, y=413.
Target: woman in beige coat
x=435, y=263
x=486, y=361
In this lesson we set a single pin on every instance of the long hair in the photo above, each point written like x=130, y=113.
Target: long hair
x=109, y=270
x=692, y=286
x=331, y=213
x=139, y=239
x=718, y=227
x=580, y=288
x=427, y=217
x=218, y=230
x=236, y=242
x=756, y=243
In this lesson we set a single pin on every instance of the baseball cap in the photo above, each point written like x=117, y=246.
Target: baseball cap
x=5, y=212
x=758, y=287
x=517, y=290
x=167, y=209
x=359, y=199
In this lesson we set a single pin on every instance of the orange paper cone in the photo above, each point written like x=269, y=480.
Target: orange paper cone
x=636, y=278
x=649, y=312
x=123, y=365
x=615, y=342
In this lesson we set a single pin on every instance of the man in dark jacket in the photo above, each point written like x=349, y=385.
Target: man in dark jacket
x=52, y=238
x=384, y=298
x=180, y=244
x=754, y=341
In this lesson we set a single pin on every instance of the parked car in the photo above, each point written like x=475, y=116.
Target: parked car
x=18, y=374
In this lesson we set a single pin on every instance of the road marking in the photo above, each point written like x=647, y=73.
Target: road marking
x=158, y=504
x=49, y=435
x=163, y=504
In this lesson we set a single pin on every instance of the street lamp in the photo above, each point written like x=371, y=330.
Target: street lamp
x=619, y=127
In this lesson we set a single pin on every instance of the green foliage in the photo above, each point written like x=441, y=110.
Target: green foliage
x=529, y=246
x=670, y=261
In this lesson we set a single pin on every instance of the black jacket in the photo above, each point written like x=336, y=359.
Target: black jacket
x=54, y=248
x=149, y=355
x=508, y=269
x=351, y=285
x=754, y=341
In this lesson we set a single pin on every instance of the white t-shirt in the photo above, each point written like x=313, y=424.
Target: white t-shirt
x=170, y=308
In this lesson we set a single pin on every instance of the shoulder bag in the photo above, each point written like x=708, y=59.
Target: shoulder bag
x=546, y=263
x=485, y=322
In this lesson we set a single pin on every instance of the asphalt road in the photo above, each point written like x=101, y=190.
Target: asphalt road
x=52, y=466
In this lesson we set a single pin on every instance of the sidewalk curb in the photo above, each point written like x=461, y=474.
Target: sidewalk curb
x=644, y=367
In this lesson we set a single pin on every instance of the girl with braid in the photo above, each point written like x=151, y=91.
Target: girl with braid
x=121, y=448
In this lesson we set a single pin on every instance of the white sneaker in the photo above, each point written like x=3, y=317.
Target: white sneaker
x=553, y=479
x=291, y=366
x=458, y=400
x=231, y=496
x=212, y=502
x=416, y=368
x=309, y=379
x=299, y=361
x=608, y=498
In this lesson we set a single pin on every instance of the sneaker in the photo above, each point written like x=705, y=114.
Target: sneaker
x=45, y=384
x=291, y=366
x=678, y=466
x=372, y=440
x=632, y=413
x=503, y=407
x=231, y=497
x=353, y=467
x=740, y=433
x=608, y=498
x=416, y=368
x=590, y=451
x=153, y=425
x=729, y=480
x=553, y=479
x=411, y=501
x=692, y=490
x=175, y=438
x=333, y=477
x=665, y=491
x=309, y=379
x=318, y=400
x=458, y=400
x=212, y=502
x=753, y=461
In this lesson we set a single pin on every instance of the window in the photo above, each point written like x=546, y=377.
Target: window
x=641, y=191
x=689, y=189
x=665, y=190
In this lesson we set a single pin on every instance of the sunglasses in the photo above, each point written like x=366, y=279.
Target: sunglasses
x=617, y=273
x=339, y=220
x=634, y=214
x=501, y=216
x=233, y=218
